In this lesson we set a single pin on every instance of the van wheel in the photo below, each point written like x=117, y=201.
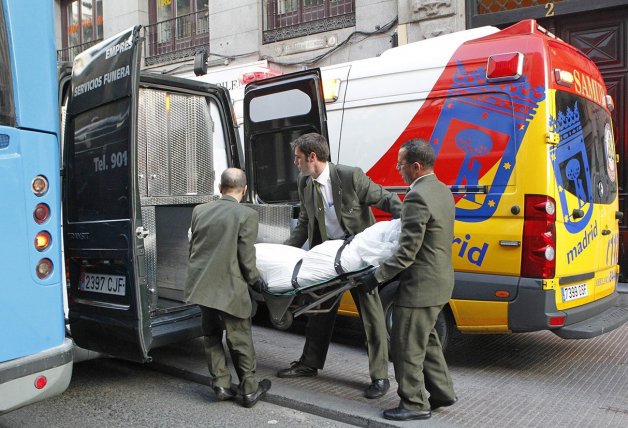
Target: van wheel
x=444, y=323
x=285, y=323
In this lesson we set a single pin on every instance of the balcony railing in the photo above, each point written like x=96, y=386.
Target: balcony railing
x=287, y=19
x=68, y=54
x=177, y=38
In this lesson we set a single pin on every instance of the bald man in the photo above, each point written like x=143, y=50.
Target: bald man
x=220, y=271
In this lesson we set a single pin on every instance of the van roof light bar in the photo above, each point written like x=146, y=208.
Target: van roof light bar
x=506, y=66
x=255, y=76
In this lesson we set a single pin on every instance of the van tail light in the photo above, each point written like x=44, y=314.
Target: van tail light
x=558, y=321
x=507, y=66
x=538, y=254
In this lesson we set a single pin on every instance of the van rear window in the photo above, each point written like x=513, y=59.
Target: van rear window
x=99, y=164
x=275, y=175
x=588, y=169
x=280, y=105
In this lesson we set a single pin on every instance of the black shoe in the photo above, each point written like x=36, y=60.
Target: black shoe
x=400, y=414
x=249, y=400
x=436, y=404
x=377, y=388
x=297, y=369
x=223, y=394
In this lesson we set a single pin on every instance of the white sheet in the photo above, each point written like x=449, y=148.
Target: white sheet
x=276, y=262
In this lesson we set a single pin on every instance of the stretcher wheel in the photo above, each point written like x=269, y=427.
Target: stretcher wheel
x=285, y=323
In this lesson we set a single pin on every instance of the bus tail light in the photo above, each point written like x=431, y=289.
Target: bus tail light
x=40, y=382
x=42, y=240
x=40, y=185
x=41, y=213
x=507, y=66
x=538, y=253
x=44, y=268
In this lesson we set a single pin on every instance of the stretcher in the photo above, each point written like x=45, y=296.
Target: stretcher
x=285, y=305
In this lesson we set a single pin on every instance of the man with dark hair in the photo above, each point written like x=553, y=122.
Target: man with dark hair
x=336, y=202
x=426, y=281
x=221, y=268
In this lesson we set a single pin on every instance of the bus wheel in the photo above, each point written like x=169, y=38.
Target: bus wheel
x=285, y=323
x=444, y=323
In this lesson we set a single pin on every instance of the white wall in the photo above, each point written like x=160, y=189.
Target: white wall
x=118, y=15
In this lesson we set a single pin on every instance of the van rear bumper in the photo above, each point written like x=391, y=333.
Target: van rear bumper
x=612, y=317
x=533, y=307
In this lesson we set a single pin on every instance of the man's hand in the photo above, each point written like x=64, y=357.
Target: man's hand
x=368, y=282
x=259, y=285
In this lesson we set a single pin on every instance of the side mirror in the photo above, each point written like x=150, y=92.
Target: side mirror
x=200, y=63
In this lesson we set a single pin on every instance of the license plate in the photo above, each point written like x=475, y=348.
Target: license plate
x=574, y=292
x=100, y=283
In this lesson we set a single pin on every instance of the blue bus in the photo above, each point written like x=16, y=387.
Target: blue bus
x=35, y=355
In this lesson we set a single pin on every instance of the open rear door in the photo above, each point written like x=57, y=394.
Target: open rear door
x=277, y=111
x=103, y=231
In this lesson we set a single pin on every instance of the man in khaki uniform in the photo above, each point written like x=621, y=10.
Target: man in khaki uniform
x=426, y=281
x=221, y=268
x=347, y=195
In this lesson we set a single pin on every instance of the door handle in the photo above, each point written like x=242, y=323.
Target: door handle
x=141, y=233
x=576, y=213
x=606, y=232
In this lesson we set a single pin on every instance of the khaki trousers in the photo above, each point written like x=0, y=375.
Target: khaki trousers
x=418, y=358
x=240, y=344
x=320, y=327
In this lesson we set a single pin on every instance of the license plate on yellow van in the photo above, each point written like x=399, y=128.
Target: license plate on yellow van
x=573, y=292
x=100, y=283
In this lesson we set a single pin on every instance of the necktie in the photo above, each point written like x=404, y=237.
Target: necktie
x=320, y=211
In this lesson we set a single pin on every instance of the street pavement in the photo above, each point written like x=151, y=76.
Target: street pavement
x=112, y=393
x=518, y=380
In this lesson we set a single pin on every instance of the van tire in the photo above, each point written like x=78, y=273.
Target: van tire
x=445, y=324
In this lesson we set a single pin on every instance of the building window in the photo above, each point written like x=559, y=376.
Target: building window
x=285, y=19
x=81, y=26
x=177, y=29
x=84, y=21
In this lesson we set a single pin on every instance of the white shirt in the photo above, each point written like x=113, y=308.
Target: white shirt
x=334, y=230
x=415, y=181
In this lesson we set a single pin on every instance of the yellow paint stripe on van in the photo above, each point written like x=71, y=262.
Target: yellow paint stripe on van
x=480, y=316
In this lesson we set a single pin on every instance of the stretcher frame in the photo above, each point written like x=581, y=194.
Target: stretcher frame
x=284, y=306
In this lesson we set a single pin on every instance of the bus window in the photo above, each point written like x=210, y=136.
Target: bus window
x=7, y=110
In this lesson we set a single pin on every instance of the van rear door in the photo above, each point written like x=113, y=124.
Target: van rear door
x=277, y=111
x=103, y=232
